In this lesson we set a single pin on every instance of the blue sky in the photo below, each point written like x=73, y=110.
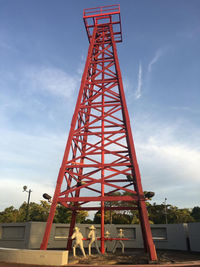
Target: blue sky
x=43, y=47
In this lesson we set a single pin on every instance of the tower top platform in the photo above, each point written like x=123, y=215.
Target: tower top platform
x=101, y=16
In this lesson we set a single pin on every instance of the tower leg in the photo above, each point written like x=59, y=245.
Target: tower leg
x=45, y=240
x=72, y=224
x=67, y=149
x=102, y=228
x=143, y=231
x=146, y=231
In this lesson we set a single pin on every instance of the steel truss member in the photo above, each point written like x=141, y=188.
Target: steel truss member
x=99, y=158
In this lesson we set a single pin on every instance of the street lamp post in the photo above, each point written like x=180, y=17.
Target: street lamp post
x=165, y=204
x=28, y=202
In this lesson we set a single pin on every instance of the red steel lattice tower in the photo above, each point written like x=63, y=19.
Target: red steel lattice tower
x=99, y=158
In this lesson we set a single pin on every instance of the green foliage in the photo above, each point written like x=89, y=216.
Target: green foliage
x=157, y=215
x=10, y=214
x=89, y=221
x=97, y=217
x=121, y=218
x=174, y=214
x=177, y=215
x=196, y=214
x=39, y=213
x=81, y=216
x=64, y=215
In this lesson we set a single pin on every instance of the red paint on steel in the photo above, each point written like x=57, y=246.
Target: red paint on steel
x=146, y=230
x=100, y=159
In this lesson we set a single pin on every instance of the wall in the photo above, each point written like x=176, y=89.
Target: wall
x=194, y=236
x=171, y=236
x=14, y=235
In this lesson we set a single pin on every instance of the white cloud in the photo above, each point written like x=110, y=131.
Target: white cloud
x=28, y=160
x=81, y=65
x=172, y=171
x=180, y=160
x=128, y=86
x=138, y=91
x=52, y=80
x=30, y=153
x=169, y=164
x=12, y=192
x=156, y=57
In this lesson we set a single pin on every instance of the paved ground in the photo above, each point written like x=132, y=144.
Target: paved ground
x=136, y=258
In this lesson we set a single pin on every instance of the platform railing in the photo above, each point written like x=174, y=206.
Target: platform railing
x=103, y=10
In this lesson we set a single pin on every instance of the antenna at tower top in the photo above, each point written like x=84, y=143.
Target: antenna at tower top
x=101, y=16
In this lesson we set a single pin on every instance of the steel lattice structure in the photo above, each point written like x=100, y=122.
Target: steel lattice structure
x=100, y=159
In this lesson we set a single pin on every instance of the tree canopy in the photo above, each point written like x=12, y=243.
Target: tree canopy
x=157, y=214
x=39, y=213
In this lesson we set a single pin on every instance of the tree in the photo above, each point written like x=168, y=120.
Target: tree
x=156, y=213
x=196, y=214
x=89, y=221
x=177, y=215
x=97, y=217
x=174, y=214
x=122, y=218
x=118, y=216
x=109, y=213
x=81, y=216
x=64, y=215
x=39, y=213
x=133, y=214
x=10, y=214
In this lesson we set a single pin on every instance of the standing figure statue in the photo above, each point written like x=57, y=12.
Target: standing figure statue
x=78, y=241
x=120, y=235
x=107, y=235
x=92, y=237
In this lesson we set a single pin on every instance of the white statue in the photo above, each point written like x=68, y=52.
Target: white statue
x=107, y=235
x=92, y=237
x=78, y=241
x=120, y=235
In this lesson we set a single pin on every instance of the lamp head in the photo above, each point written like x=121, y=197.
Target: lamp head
x=46, y=196
x=25, y=188
x=149, y=194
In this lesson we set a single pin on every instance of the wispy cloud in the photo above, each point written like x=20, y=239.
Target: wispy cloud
x=138, y=91
x=5, y=43
x=14, y=187
x=190, y=33
x=156, y=57
x=31, y=149
x=167, y=166
x=186, y=109
x=51, y=80
x=81, y=65
x=169, y=163
x=30, y=160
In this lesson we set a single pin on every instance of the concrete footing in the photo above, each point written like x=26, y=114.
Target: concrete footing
x=36, y=257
